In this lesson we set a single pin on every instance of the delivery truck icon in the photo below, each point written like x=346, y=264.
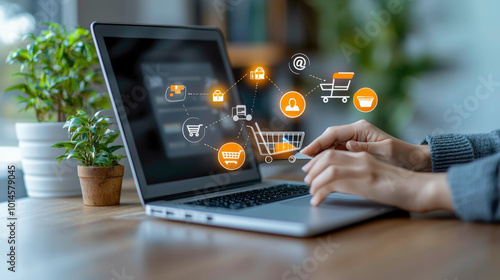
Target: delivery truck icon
x=175, y=93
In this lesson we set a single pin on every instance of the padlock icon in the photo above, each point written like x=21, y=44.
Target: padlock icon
x=258, y=74
x=218, y=96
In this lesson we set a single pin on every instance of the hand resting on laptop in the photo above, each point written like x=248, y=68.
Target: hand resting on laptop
x=363, y=160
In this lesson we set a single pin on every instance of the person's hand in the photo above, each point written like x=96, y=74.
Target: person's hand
x=364, y=175
x=363, y=136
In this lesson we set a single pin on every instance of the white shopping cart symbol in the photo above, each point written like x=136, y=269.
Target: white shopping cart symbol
x=194, y=129
x=231, y=157
x=334, y=86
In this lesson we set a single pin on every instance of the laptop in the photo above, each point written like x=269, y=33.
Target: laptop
x=160, y=77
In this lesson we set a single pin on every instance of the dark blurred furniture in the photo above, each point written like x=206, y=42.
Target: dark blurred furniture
x=60, y=238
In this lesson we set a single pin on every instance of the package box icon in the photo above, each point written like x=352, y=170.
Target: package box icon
x=175, y=93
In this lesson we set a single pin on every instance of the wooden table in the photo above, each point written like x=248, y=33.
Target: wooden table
x=60, y=238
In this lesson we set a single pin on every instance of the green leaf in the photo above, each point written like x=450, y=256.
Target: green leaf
x=61, y=70
x=104, y=161
x=53, y=25
x=76, y=155
x=68, y=144
x=60, y=158
x=17, y=55
x=118, y=157
x=112, y=149
x=109, y=138
x=20, y=87
x=96, y=115
x=82, y=145
x=76, y=122
x=80, y=131
x=81, y=113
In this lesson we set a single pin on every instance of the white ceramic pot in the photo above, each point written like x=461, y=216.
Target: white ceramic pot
x=43, y=176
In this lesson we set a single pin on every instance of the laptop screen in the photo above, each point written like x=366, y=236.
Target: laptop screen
x=166, y=89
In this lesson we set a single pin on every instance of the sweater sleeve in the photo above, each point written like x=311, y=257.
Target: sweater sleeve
x=451, y=149
x=448, y=149
x=485, y=144
x=475, y=188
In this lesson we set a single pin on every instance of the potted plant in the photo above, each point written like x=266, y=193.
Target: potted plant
x=59, y=70
x=100, y=172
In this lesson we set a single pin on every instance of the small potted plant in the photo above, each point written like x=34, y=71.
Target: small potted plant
x=59, y=71
x=100, y=172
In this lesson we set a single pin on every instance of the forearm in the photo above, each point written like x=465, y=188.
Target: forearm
x=433, y=192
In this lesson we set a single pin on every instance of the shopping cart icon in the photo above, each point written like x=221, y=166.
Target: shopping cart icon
x=194, y=129
x=335, y=86
x=271, y=143
x=231, y=157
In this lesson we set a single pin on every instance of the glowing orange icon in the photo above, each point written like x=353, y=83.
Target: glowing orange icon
x=218, y=96
x=365, y=100
x=292, y=104
x=258, y=74
x=231, y=156
x=175, y=93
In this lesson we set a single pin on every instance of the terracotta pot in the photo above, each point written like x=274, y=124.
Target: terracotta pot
x=101, y=186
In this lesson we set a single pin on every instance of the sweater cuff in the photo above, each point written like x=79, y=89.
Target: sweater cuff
x=474, y=189
x=447, y=150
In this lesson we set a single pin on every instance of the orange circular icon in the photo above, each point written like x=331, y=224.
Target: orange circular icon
x=365, y=100
x=292, y=104
x=231, y=156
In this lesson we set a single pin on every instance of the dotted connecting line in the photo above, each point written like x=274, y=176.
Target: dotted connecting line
x=211, y=147
x=317, y=78
x=242, y=125
x=218, y=121
x=254, y=96
x=274, y=84
x=196, y=93
x=185, y=109
x=312, y=90
x=236, y=83
x=246, y=141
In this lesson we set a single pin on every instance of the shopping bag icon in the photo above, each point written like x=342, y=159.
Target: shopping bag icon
x=258, y=74
x=218, y=96
x=175, y=93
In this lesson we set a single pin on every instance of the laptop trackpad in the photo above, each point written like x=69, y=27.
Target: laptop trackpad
x=334, y=201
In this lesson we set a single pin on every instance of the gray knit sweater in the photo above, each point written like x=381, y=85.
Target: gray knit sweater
x=473, y=166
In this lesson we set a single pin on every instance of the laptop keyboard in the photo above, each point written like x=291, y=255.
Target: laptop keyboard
x=254, y=197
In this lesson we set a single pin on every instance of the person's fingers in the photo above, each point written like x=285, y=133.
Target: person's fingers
x=340, y=147
x=334, y=173
x=313, y=161
x=381, y=148
x=332, y=135
x=345, y=186
x=321, y=194
x=319, y=162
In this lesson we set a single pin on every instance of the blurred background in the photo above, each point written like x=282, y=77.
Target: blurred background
x=433, y=64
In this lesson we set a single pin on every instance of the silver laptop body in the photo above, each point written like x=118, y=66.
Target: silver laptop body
x=139, y=62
